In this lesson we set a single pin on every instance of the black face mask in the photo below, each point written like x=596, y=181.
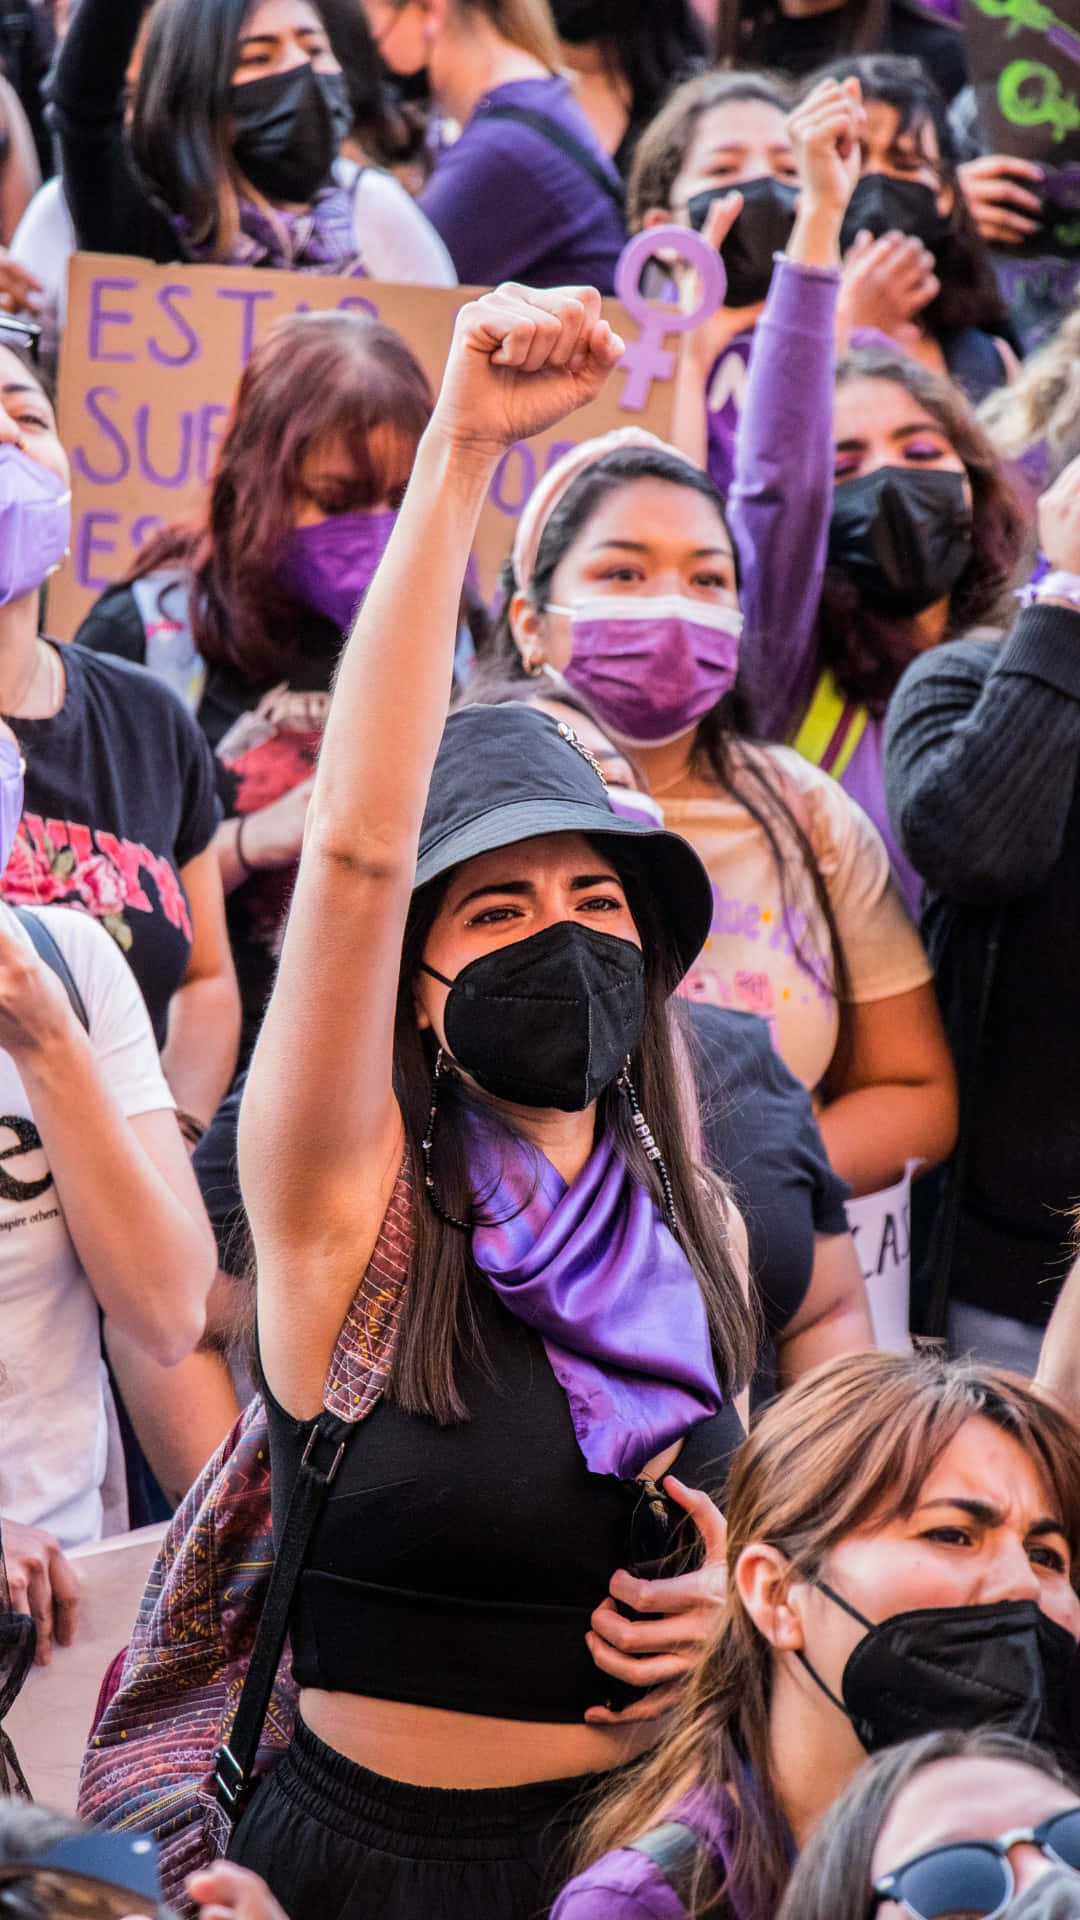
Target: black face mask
x=288, y=130
x=880, y=205
x=903, y=536
x=548, y=1021
x=762, y=229
x=1007, y=1665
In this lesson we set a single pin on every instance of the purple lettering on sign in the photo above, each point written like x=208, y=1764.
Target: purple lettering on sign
x=499, y=494
x=556, y=451
x=102, y=316
x=355, y=303
x=647, y=359
x=190, y=349
x=93, y=400
x=144, y=526
x=142, y=449
x=248, y=298
x=212, y=418
x=87, y=544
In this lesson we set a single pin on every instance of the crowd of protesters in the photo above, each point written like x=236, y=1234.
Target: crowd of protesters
x=450, y=1037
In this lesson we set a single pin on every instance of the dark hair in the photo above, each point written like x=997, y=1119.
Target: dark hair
x=970, y=296
x=649, y=47
x=750, y=781
x=846, y=1448
x=438, y=1321
x=834, y=1875
x=743, y=25
x=390, y=131
x=664, y=145
x=314, y=374
x=868, y=651
x=180, y=129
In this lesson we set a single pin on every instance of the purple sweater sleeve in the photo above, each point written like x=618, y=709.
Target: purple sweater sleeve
x=781, y=497
x=622, y=1886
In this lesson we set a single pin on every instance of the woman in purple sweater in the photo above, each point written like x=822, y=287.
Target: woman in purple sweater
x=892, y=1567
x=526, y=192
x=873, y=520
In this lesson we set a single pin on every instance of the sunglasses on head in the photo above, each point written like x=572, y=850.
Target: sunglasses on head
x=973, y=1879
x=23, y=335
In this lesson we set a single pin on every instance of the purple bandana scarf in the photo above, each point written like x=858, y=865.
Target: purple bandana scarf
x=594, y=1270
x=322, y=240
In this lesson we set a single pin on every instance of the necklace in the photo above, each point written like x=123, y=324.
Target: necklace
x=53, y=669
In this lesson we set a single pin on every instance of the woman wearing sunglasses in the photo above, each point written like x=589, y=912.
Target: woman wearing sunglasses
x=975, y=1824
x=901, y=1535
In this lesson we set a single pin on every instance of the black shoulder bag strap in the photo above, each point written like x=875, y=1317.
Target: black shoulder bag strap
x=568, y=143
x=48, y=950
x=236, y=1756
x=675, y=1850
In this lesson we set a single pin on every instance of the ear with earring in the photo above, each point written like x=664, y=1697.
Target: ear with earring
x=534, y=664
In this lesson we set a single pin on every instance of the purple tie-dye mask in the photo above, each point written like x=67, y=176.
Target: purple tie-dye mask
x=35, y=523
x=649, y=669
x=331, y=565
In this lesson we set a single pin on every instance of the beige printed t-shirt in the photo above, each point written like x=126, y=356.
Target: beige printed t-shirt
x=773, y=959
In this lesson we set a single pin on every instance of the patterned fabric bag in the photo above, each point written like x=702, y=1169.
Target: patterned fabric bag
x=150, y=1765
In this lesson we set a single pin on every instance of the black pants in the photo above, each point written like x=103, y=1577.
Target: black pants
x=336, y=1842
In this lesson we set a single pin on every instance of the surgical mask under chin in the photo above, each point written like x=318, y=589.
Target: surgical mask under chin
x=35, y=523
x=650, y=668
x=1006, y=1665
x=331, y=565
x=902, y=535
x=881, y=205
x=763, y=228
x=548, y=1021
x=288, y=129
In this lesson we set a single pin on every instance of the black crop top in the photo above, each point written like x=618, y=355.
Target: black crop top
x=458, y=1566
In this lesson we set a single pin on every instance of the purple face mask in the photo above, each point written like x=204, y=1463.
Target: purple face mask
x=11, y=797
x=650, y=668
x=331, y=565
x=35, y=523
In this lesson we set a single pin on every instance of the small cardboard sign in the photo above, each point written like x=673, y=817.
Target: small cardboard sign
x=881, y=1227
x=149, y=365
x=1024, y=61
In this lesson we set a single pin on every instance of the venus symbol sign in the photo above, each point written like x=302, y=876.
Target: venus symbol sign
x=647, y=359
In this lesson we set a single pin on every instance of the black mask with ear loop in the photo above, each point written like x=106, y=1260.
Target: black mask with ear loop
x=548, y=1021
x=1006, y=1665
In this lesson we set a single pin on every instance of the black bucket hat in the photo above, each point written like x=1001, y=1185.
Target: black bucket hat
x=507, y=773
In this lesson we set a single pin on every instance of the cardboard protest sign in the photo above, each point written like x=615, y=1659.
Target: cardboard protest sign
x=881, y=1226
x=1024, y=61
x=150, y=361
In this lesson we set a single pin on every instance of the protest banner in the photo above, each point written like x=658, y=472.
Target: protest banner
x=1023, y=58
x=150, y=361
x=881, y=1227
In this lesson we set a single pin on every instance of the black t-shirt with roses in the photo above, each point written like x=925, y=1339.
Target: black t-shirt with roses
x=119, y=795
x=265, y=740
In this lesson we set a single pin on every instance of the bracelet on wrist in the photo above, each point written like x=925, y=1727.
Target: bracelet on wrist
x=1058, y=585
x=238, y=844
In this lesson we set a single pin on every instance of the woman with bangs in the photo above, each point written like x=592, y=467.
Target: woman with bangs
x=243, y=611
x=901, y=1543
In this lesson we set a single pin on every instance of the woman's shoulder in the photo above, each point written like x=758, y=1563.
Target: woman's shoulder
x=112, y=682
x=115, y=625
x=654, y=1876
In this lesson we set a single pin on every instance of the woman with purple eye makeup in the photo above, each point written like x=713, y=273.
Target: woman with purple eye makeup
x=873, y=520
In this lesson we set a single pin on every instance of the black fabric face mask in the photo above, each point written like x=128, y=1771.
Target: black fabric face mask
x=902, y=535
x=1006, y=1665
x=548, y=1021
x=880, y=205
x=762, y=229
x=288, y=130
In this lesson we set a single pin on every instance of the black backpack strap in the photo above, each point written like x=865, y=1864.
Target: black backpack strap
x=236, y=1756
x=49, y=951
x=568, y=143
x=676, y=1852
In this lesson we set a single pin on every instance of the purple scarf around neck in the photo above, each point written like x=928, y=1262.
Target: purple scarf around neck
x=320, y=240
x=594, y=1270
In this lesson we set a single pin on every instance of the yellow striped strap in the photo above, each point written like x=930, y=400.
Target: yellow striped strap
x=831, y=729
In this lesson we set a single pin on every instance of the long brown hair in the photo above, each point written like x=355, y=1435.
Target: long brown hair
x=848, y=1447
x=833, y=1877
x=527, y=24
x=438, y=1323
x=314, y=374
x=748, y=776
x=868, y=651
